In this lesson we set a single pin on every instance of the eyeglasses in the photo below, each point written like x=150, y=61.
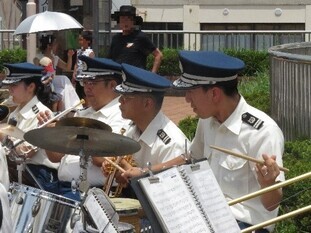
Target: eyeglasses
x=126, y=97
x=90, y=82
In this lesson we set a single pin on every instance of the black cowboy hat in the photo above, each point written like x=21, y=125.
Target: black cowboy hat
x=127, y=10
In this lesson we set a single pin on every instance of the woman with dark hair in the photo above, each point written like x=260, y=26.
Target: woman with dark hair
x=24, y=81
x=62, y=84
x=49, y=47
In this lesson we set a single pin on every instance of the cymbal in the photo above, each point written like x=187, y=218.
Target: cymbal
x=83, y=122
x=88, y=141
x=12, y=131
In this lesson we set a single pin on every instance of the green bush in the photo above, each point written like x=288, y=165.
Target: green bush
x=169, y=65
x=256, y=91
x=188, y=126
x=297, y=158
x=255, y=61
x=12, y=56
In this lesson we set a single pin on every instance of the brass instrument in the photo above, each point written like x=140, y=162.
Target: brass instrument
x=112, y=170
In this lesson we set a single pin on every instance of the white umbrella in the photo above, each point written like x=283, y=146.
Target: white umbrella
x=47, y=21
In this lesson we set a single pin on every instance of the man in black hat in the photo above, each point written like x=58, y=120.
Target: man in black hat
x=210, y=80
x=132, y=46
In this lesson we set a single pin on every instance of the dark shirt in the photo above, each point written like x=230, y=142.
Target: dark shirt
x=132, y=49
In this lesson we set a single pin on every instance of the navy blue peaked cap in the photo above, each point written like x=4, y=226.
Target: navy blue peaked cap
x=206, y=67
x=93, y=67
x=139, y=80
x=17, y=71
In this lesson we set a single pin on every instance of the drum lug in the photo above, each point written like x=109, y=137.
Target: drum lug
x=19, y=201
x=36, y=207
x=74, y=219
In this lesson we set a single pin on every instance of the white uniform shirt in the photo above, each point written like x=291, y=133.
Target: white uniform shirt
x=7, y=224
x=70, y=164
x=4, y=174
x=26, y=118
x=237, y=177
x=153, y=148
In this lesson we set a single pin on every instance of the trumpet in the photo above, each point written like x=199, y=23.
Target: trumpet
x=112, y=170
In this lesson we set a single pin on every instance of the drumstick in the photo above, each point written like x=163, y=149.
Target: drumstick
x=114, y=164
x=245, y=157
x=63, y=113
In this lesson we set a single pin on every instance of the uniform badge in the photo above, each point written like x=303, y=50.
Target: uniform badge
x=252, y=120
x=35, y=109
x=164, y=137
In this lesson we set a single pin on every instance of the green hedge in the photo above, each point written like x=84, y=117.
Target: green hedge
x=255, y=61
x=12, y=56
x=169, y=65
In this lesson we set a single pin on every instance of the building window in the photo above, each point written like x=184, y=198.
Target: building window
x=256, y=41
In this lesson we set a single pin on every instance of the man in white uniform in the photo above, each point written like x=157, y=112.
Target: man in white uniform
x=99, y=81
x=142, y=94
x=226, y=120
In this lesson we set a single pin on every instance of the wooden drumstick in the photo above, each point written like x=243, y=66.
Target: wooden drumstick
x=262, y=162
x=114, y=164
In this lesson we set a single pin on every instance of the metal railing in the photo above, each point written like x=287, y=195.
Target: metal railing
x=290, y=83
x=216, y=40
x=192, y=40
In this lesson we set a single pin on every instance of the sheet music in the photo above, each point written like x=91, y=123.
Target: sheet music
x=211, y=198
x=171, y=199
x=98, y=215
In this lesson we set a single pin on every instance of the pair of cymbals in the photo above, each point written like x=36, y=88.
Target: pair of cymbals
x=82, y=135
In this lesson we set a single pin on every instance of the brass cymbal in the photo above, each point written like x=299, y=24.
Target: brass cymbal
x=83, y=122
x=76, y=140
x=12, y=131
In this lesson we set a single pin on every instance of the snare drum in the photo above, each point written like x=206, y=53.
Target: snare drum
x=35, y=210
x=128, y=210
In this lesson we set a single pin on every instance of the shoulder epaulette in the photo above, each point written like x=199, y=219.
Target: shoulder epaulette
x=35, y=109
x=164, y=137
x=252, y=120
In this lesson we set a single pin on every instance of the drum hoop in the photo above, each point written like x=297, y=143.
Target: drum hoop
x=45, y=195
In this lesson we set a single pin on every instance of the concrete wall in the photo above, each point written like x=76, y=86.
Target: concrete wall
x=231, y=13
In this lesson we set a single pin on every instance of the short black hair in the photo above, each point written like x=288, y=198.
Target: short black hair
x=230, y=88
x=87, y=35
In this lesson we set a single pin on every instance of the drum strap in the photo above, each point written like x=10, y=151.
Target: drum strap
x=1, y=214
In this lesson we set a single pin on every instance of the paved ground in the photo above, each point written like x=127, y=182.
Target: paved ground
x=176, y=108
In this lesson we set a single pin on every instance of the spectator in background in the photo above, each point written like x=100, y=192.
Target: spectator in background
x=48, y=47
x=85, y=42
x=132, y=46
x=61, y=83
